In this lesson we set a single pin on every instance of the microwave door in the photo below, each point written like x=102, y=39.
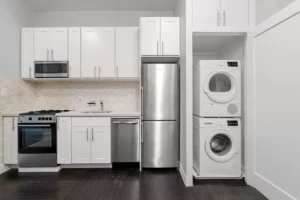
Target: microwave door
x=51, y=70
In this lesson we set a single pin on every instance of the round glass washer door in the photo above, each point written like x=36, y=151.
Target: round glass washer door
x=220, y=146
x=220, y=87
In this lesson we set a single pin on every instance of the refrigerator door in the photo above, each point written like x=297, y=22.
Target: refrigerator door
x=160, y=92
x=160, y=144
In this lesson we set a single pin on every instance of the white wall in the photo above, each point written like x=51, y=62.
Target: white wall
x=272, y=121
x=183, y=10
x=267, y=8
x=13, y=15
x=94, y=18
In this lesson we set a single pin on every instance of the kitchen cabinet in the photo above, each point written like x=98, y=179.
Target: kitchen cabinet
x=74, y=52
x=91, y=140
x=160, y=36
x=64, y=143
x=127, y=52
x=98, y=52
x=27, y=63
x=220, y=14
x=10, y=125
x=50, y=44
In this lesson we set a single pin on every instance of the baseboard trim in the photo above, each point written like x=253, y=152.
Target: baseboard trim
x=39, y=169
x=182, y=173
x=3, y=168
x=270, y=190
x=75, y=166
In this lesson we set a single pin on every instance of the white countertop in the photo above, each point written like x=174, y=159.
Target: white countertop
x=111, y=114
x=13, y=114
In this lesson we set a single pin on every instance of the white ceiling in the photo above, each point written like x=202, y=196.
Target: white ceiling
x=122, y=5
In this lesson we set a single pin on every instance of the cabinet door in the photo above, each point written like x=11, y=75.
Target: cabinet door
x=101, y=145
x=64, y=138
x=42, y=44
x=170, y=38
x=81, y=151
x=235, y=13
x=74, y=52
x=127, y=52
x=10, y=140
x=59, y=44
x=89, y=52
x=106, y=57
x=206, y=14
x=27, y=70
x=150, y=36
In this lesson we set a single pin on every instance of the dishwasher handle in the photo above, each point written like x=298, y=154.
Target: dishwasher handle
x=117, y=122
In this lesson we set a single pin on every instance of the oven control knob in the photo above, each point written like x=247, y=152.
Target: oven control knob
x=50, y=118
x=30, y=118
x=43, y=118
x=39, y=118
x=47, y=118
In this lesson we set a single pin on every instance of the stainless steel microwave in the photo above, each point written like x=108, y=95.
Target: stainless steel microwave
x=51, y=69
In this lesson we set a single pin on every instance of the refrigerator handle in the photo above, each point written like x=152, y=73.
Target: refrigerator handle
x=142, y=133
x=142, y=103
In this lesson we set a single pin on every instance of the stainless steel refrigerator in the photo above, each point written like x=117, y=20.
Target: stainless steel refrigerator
x=160, y=115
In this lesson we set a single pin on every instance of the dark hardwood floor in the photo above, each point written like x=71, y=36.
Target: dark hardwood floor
x=123, y=184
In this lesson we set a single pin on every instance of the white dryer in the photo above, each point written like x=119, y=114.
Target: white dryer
x=217, y=88
x=217, y=147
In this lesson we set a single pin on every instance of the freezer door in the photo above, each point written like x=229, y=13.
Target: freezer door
x=160, y=92
x=160, y=144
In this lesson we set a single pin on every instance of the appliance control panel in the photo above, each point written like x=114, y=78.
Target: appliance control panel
x=37, y=119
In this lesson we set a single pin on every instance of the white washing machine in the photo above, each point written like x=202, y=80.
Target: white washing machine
x=217, y=147
x=217, y=88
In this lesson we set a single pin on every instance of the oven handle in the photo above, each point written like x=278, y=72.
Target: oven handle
x=33, y=125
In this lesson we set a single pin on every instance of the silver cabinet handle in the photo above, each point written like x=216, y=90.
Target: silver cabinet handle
x=99, y=71
x=30, y=69
x=92, y=134
x=13, y=124
x=224, y=18
x=52, y=54
x=117, y=71
x=48, y=54
x=157, y=48
x=87, y=134
x=57, y=123
x=94, y=71
x=218, y=15
x=162, y=48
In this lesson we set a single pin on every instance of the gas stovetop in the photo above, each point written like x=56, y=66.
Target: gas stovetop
x=40, y=116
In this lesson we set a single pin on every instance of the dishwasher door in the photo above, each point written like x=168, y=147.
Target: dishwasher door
x=125, y=140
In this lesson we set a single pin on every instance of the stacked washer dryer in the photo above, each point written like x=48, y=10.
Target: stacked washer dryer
x=216, y=121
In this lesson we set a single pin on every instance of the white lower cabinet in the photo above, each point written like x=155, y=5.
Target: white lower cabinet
x=101, y=145
x=10, y=125
x=81, y=145
x=64, y=144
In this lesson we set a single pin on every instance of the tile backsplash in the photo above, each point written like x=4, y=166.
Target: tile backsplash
x=17, y=95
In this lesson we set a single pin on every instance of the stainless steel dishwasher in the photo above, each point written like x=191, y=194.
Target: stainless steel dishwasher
x=125, y=140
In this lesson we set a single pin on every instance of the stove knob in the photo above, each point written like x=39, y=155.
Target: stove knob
x=50, y=118
x=47, y=118
x=30, y=118
x=43, y=118
x=39, y=118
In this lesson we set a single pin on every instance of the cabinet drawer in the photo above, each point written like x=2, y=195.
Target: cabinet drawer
x=90, y=121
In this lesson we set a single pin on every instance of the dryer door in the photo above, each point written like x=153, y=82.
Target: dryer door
x=220, y=146
x=220, y=87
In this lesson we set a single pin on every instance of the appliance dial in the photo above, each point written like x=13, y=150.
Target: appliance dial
x=39, y=118
x=50, y=118
x=30, y=118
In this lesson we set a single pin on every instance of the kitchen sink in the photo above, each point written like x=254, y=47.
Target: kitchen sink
x=97, y=111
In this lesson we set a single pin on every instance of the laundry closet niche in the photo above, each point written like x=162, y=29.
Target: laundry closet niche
x=223, y=47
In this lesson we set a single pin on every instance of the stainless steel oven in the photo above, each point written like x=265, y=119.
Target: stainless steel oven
x=51, y=69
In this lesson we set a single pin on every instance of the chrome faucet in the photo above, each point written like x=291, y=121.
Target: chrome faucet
x=101, y=105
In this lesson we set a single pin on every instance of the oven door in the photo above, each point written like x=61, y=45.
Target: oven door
x=37, y=138
x=59, y=69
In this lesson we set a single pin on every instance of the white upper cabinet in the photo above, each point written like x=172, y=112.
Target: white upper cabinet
x=220, y=14
x=160, y=36
x=59, y=44
x=42, y=44
x=10, y=127
x=101, y=145
x=170, y=37
x=89, y=52
x=50, y=44
x=74, y=52
x=27, y=63
x=127, y=52
x=235, y=13
x=64, y=140
x=150, y=36
x=106, y=55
